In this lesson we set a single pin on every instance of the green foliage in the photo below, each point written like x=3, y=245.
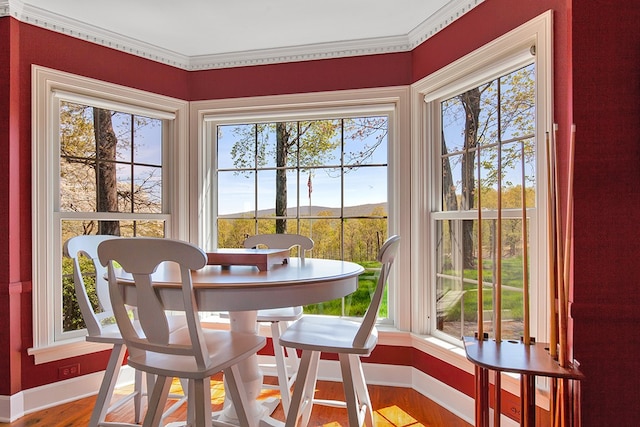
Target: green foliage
x=72, y=317
x=355, y=239
x=356, y=304
x=511, y=299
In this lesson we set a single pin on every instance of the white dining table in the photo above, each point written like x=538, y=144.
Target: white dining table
x=242, y=290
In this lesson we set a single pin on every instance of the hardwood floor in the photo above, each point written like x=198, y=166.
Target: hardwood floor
x=399, y=407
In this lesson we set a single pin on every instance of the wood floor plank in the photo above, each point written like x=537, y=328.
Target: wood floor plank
x=394, y=407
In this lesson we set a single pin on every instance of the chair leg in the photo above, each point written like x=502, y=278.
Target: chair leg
x=293, y=361
x=156, y=401
x=108, y=384
x=355, y=389
x=310, y=387
x=362, y=391
x=200, y=399
x=137, y=399
x=281, y=365
x=302, y=399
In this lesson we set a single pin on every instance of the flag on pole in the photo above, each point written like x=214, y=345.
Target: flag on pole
x=309, y=186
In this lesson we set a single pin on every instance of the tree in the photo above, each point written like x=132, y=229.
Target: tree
x=92, y=143
x=301, y=144
x=493, y=112
x=106, y=180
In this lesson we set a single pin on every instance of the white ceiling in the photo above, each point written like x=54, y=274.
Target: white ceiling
x=202, y=34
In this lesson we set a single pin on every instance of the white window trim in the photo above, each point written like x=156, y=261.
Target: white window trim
x=47, y=85
x=467, y=72
x=394, y=101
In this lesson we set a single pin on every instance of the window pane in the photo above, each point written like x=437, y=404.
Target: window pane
x=77, y=186
x=487, y=167
x=457, y=278
x=147, y=189
x=323, y=190
x=266, y=192
x=365, y=183
x=453, y=126
x=114, y=167
x=147, y=136
x=234, y=231
x=365, y=141
x=240, y=136
x=320, y=143
x=356, y=304
x=326, y=179
x=236, y=192
x=71, y=316
x=451, y=182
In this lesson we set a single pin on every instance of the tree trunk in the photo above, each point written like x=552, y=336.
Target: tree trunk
x=471, y=103
x=106, y=181
x=282, y=142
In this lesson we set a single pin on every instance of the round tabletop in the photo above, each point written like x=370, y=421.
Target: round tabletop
x=243, y=288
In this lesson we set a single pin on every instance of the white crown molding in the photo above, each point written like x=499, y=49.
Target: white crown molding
x=372, y=46
x=74, y=28
x=439, y=20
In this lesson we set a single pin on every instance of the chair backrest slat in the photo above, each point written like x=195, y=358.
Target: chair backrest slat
x=386, y=257
x=140, y=257
x=281, y=241
x=87, y=245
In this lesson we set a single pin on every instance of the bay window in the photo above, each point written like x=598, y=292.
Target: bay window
x=104, y=163
x=328, y=170
x=482, y=132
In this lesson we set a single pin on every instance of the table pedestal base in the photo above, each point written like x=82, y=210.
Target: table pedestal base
x=252, y=378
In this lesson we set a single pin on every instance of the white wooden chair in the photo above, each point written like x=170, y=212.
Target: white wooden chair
x=98, y=328
x=101, y=328
x=190, y=352
x=350, y=340
x=287, y=360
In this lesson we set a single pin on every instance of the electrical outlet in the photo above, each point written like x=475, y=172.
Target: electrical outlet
x=69, y=371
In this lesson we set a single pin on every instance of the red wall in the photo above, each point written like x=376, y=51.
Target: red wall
x=302, y=77
x=597, y=87
x=5, y=99
x=606, y=310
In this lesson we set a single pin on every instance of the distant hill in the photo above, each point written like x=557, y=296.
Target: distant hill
x=349, y=211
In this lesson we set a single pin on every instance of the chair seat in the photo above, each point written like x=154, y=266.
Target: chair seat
x=225, y=349
x=329, y=334
x=285, y=314
x=349, y=340
x=110, y=334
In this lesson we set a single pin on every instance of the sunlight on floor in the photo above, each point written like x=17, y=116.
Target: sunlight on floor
x=394, y=416
x=391, y=416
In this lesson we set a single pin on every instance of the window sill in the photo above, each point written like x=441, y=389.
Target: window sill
x=65, y=350
x=455, y=356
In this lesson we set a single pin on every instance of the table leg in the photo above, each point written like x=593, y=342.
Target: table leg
x=497, y=399
x=527, y=400
x=482, y=397
x=245, y=321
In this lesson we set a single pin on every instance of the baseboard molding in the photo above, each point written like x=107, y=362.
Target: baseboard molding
x=39, y=398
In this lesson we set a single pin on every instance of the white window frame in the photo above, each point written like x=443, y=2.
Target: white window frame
x=49, y=87
x=479, y=66
x=393, y=102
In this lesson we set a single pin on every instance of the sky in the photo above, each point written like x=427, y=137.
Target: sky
x=363, y=185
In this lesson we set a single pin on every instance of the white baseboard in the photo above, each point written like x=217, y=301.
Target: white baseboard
x=39, y=398
x=447, y=397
